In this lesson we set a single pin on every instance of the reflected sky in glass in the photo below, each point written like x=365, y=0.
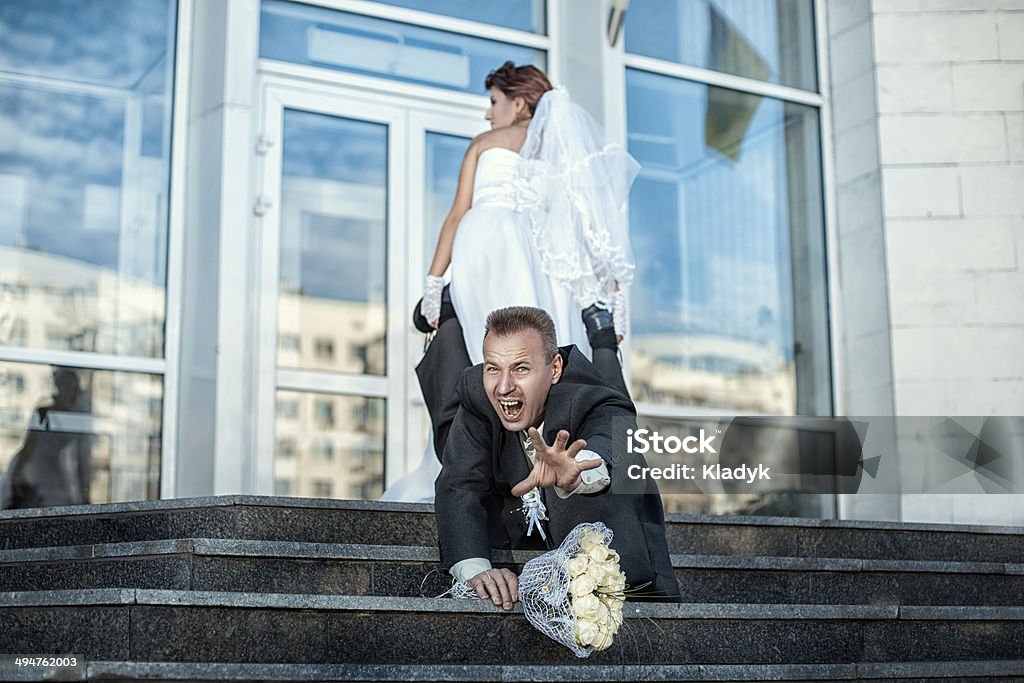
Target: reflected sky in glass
x=69, y=152
x=444, y=155
x=116, y=43
x=84, y=171
x=333, y=268
x=523, y=15
x=316, y=36
x=768, y=40
x=711, y=216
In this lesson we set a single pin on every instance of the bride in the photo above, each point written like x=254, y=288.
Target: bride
x=537, y=220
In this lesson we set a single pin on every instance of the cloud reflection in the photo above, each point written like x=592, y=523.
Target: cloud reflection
x=91, y=199
x=103, y=42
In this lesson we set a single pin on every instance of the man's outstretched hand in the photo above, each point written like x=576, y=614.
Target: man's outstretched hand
x=500, y=586
x=555, y=465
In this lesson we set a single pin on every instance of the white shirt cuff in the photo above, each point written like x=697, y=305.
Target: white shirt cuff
x=466, y=569
x=591, y=481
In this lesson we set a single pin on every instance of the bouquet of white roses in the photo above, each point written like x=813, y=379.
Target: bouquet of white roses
x=574, y=594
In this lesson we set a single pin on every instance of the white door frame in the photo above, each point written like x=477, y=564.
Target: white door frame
x=408, y=121
x=422, y=122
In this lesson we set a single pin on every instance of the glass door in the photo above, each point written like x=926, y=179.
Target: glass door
x=345, y=186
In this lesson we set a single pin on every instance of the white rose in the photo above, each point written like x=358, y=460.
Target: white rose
x=599, y=553
x=603, y=640
x=578, y=565
x=586, y=632
x=582, y=585
x=611, y=573
x=602, y=613
x=613, y=556
x=598, y=571
x=587, y=606
x=591, y=538
x=614, y=606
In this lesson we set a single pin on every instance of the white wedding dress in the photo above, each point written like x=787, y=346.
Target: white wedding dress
x=494, y=262
x=494, y=265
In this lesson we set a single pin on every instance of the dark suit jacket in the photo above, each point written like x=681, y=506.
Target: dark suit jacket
x=474, y=505
x=439, y=373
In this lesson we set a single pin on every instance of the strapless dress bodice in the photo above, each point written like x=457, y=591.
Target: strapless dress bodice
x=497, y=180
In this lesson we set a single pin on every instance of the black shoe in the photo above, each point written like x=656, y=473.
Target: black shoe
x=600, y=327
x=447, y=312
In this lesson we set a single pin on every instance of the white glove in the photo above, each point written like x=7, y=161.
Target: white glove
x=431, y=306
x=619, y=313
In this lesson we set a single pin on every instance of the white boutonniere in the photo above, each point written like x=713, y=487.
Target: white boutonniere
x=534, y=511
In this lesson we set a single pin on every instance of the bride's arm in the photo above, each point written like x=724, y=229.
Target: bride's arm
x=462, y=203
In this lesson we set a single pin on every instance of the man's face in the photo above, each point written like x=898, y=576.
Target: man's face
x=517, y=378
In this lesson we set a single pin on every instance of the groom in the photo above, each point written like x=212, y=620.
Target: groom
x=511, y=434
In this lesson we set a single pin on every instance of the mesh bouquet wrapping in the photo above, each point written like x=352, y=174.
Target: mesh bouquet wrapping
x=574, y=594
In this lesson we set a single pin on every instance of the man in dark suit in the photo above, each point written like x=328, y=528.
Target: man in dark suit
x=527, y=394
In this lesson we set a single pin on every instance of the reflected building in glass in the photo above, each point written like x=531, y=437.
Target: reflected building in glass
x=215, y=221
x=85, y=164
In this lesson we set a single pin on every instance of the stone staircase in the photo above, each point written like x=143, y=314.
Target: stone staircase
x=242, y=588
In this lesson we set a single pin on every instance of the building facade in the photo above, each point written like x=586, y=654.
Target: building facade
x=215, y=218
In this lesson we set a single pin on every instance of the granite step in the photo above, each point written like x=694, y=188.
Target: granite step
x=123, y=625
x=389, y=570
x=359, y=522
x=173, y=672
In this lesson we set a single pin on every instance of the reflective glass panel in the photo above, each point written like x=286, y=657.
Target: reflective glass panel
x=85, y=103
x=332, y=447
x=316, y=36
x=523, y=15
x=443, y=160
x=333, y=267
x=71, y=436
x=768, y=40
x=728, y=305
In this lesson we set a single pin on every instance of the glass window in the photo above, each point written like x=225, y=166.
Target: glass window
x=324, y=348
x=78, y=436
x=322, y=488
x=347, y=453
x=316, y=36
x=523, y=15
x=322, y=449
x=769, y=40
x=288, y=410
x=286, y=448
x=333, y=267
x=325, y=412
x=14, y=382
x=727, y=226
x=444, y=155
x=85, y=93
